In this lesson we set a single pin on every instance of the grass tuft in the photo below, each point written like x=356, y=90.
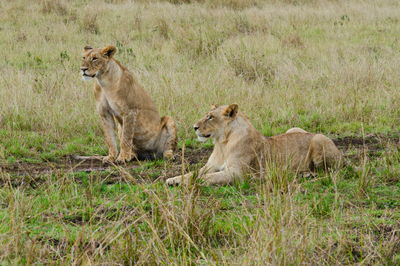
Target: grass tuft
x=57, y=7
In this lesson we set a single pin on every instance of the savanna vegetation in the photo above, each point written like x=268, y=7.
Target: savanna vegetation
x=329, y=66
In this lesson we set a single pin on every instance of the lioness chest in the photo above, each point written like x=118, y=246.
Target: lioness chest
x=114, y=109
x=112, y=102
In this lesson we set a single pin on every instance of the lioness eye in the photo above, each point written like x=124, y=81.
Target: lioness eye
x=83, y=58
x=94, y=59
x=209, y=117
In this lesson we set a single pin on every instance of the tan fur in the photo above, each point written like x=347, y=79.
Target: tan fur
x=240, y=148
x=123, y=103
x=295, y=130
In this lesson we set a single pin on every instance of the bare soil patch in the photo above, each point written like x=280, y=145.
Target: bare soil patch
x=372, y=145
x=22, y=172
x=371, y=141
x=33, y=174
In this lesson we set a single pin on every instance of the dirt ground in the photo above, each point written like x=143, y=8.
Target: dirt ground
x=354, y=148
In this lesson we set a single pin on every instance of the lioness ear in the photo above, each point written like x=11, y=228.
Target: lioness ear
x=214, y=106
x=109, y=51
x=86, y=48
x=231, y=110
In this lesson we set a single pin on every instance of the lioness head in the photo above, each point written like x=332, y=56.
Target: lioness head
x=215, y=122
x=95, y=60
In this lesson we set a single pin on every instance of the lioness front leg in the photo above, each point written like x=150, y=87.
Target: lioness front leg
x=224, y=177
x=184, y=178
x=217, y=178
x=108, y=124
x=127, y=152
x=211, y=177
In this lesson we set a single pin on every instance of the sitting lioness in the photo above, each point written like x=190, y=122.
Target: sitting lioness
x=122, y=101
x=240, y=148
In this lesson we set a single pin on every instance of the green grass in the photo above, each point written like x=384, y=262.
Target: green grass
x=77, y=214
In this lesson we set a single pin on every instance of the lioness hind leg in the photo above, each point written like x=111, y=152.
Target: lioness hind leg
x=168, y=137
x=324, y=153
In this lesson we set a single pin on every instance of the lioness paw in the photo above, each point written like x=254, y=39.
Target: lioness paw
x=172, y=181
x=125, y=157
x=168, y=155
x=108, y=159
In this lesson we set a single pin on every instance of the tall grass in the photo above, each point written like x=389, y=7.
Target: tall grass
x=77, y=220
x=326, y=69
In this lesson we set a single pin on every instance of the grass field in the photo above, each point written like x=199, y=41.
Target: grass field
x=326, y=66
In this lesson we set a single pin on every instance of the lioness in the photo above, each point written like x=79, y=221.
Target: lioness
x=240, y=148
x=120, y=99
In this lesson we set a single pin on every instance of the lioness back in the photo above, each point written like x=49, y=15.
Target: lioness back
x=296, y=130
x=304, y=151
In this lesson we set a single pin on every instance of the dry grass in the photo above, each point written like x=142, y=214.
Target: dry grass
x=338, y=63
x=326, y=66
x=54, y=7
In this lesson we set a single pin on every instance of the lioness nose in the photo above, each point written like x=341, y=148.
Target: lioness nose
x=195, y=127
x=84, y=68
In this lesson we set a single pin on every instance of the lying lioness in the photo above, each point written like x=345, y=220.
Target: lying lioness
x=240, y=148
x=120, y=99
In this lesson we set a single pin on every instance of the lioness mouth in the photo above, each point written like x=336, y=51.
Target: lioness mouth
x=90, y=76
x=204, y=136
